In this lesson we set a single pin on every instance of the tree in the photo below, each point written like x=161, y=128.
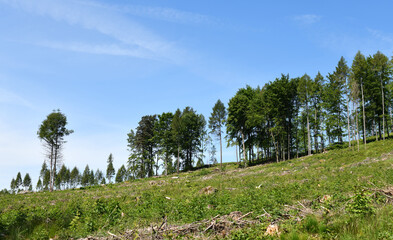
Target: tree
x=334, y=103
x=164, y=140
x=110, y=170
x=39, y=185
x=18, y=181
x=92, y=178
x=85, y=179
x=316, y=102
x=27, y=182
x=238, y=108
x=380, y=74
x=176, y=127
x=46, y=180
x=305, y=91
x=62, y=175
x=74, y=177
x=359, y=75
x=142, y=146
x=212, y=153
x=121, y=174
x=192, y=132
x=99, y=176
x=13, y=186
x=216, y=121
x=52, y=132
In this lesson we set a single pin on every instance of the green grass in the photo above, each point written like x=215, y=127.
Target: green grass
x=324, y=196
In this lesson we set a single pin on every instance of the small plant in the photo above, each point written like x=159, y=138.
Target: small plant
x=361, y=203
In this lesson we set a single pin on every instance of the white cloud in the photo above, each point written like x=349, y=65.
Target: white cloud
x=168, y=14
x=307, y=19
x=111, y=49
x=159, y=13
x=9, y=97
x=136, y=39
x=380, y=35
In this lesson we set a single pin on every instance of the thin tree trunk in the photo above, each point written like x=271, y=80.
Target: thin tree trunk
x=51, y=170
x=244, y=150
x=364, y=117
x=383, y=110
x=316, y=132
x=237, y=156
x=178, y=158
x=349, y=129
x=357, y=128
x=289, y=140
x=220, y=150
x=308, y=132
x=275, y=146
x=391, y=123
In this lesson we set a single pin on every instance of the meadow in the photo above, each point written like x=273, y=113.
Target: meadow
x=341, y=194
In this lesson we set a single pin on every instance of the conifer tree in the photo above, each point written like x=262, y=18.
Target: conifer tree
x=13, y=185
x=39, y=185
x=110, y=170
x=74, y=177
x=121, y=174
x=18, y=181
x=27, y=182
x=217, y=121
x=85, y=179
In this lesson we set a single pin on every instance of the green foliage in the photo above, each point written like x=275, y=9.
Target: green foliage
x=280, y=189
x=110, y=170
x=52, y=132
x=121, y=174
x=361, y=203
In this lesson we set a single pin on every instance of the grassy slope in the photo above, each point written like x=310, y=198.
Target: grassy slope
x=292, y=192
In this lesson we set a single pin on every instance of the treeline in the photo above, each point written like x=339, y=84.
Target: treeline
x=66, y=178
x=284, y=119
x=177, y=139
x=292, y=116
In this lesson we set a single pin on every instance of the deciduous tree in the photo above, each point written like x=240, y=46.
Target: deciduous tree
x=52, y=132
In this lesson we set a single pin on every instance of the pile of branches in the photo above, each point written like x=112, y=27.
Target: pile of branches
x=204, y=229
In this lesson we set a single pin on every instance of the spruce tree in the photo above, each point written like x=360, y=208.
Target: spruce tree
x=18, y=181
x=27, y=181
x=217, y=121
x=110, y=170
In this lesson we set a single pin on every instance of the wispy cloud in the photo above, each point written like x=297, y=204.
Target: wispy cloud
x=9, y=97
x=168, y=14
x=159, y=13
x=111, y=49
x=137, y=41
x=307, y=19
x=380, y=35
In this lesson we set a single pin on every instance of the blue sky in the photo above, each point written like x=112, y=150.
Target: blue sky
x=105, y=64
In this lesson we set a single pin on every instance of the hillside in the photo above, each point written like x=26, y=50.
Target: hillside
x=342, y=194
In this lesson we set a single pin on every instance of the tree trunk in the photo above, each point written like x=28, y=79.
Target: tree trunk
x=357, y=128
x=220, y=150
x=383, y=110
x=178, y=158
x=244, y=150
x=316, y=131
x=308, y=131
x=297, y=143
x=349, y=129
x=51, y=170
x=237, y=156
x=364, y=117
x=289, y=140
